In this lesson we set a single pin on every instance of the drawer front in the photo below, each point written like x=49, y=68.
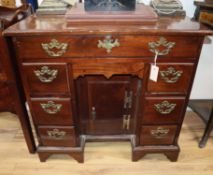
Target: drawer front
x=52, y=111
x=106, y=46
x=172, y=78
x=162, y=110
x=158, y=135
x=57, y=136
x=46, y=78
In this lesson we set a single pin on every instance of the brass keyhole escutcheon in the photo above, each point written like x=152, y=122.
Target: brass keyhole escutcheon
x=108, y=43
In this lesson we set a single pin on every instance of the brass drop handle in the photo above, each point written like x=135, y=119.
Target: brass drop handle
x=54, y=48
x=46, y=75
x=50, y=107
x=159, y=133
x=56, y=134
x=126, y=122
x=93, y=113
x=155, y=47
x=108, y=43
x=170, y=75
x=164, y=107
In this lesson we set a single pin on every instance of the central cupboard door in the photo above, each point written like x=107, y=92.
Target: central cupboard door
x=107, y=106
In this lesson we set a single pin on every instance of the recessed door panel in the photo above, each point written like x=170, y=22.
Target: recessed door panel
x=108, y=105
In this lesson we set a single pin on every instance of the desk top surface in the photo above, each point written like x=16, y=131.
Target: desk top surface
x=48, y=25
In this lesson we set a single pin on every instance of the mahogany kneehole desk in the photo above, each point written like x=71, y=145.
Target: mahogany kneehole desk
x=91, y=83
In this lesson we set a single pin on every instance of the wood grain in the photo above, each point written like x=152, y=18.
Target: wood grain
x=105, y=158
x=87, y=46
x=59, y=84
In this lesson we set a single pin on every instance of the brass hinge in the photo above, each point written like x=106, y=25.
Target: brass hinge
x=126, y=121
x=128, y=100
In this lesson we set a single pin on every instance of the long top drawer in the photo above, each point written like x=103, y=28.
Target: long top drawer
x=106, y=46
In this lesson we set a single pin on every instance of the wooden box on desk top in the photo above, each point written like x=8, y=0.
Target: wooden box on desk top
x=142, y=14
x=204, y=12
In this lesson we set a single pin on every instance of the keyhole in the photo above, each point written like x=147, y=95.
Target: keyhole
x=93, y=113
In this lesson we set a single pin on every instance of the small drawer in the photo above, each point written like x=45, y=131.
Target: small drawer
x=63, y=136
x=158, y=135
x=172, y=78
x=106, y=46
x=46, y=78
x=52, y=111
x=163, y=110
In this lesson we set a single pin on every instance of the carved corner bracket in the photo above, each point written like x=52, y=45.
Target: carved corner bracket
x=108, y=69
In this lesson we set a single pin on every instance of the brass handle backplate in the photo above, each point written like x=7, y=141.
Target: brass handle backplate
x=51, y=108
x=171, y=75
x=108, y=43
x=54, y=48
x=159, y=132
x=165, y=107
x=155, y=47
x=56, y=134
x=45, y=75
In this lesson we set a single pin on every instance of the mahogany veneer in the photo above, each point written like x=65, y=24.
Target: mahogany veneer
x=58, y=86
x=67, y=141
x=91, y=82
x=64, y=117
x=147, y=137
x=86, y=46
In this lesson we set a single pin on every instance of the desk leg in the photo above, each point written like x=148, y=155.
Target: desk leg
x=207, y=132
x=17, y=92
x=24, y=120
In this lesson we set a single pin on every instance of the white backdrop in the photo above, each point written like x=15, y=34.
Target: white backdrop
x=203, y=84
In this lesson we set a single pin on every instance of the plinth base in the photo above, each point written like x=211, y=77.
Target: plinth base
x=142, y=14
x=76, y=152
x=138, y=152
